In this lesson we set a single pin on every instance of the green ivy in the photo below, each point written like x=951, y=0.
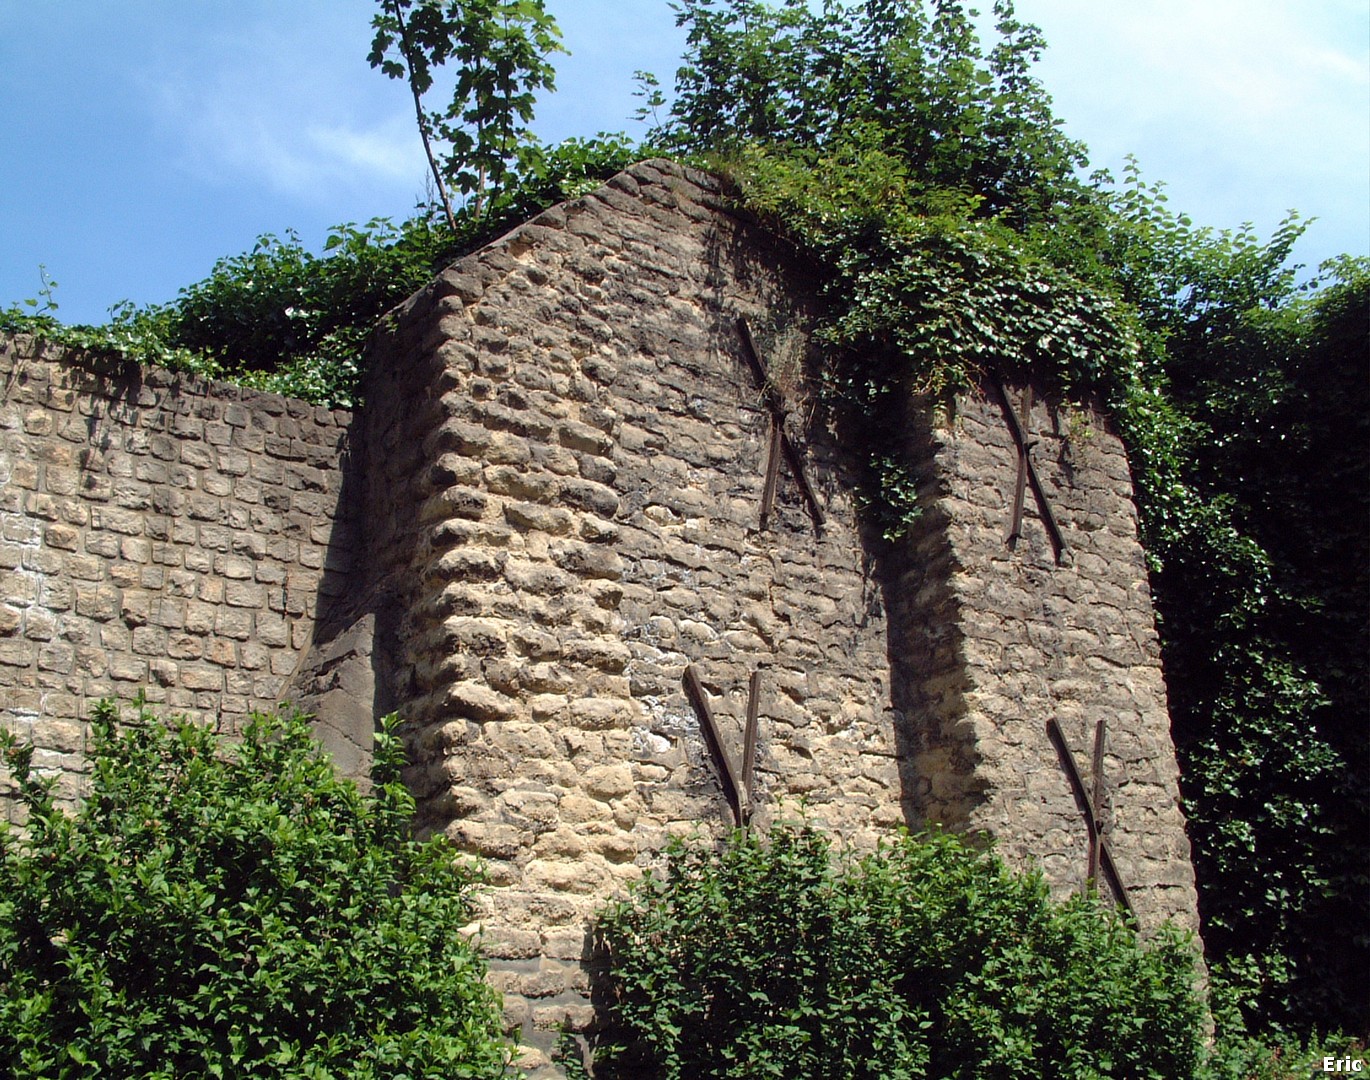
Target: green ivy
x=128, y=334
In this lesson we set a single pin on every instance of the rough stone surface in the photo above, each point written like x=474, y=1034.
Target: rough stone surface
x=991, y=641
x=162, y=533
x=548, y=509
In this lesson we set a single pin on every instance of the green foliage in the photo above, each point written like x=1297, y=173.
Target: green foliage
x=929, y=182
x=216, y=910
x=1250, y=466
x=949, y=294
x=277, y=317
x=1247, y=435
x=927, y=179
x=772, y=957
x=913, y=167
x=284, y=319
x=500, y=49
x=127, y=335
x=295, y=320
x=903, y=77
x=1237, y=1054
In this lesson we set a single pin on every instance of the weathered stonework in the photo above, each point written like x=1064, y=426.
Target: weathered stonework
x=158, y=533
x=548, y=509
x=997, y=640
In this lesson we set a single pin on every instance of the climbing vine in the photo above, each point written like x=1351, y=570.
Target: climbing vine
x=928, y=180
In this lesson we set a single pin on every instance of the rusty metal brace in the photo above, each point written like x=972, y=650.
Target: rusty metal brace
x=1101, y=858
x=781, y=443
x=1027, y=476
x=737, y=788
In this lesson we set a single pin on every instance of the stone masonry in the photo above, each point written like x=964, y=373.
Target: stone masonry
x=158, y=533
x=548, y=510
x=566, y=461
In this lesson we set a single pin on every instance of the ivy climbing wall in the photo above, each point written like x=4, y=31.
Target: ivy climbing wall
x=595, y=540
x=637, y=600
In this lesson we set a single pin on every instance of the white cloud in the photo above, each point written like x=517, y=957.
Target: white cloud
x=295, y=111
x=1246, y=108
x=388, y=152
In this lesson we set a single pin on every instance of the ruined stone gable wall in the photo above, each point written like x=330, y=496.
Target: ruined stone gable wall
x=158, y=532
x=567, y=454
x=549, y=509
x=566, y=460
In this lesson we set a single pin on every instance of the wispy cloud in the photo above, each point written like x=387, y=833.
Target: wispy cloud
x=1249, y=107
x=243, y=108
x=1214, y=64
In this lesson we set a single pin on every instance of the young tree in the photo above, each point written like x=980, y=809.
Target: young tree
x=501, y=49
x=904, y=77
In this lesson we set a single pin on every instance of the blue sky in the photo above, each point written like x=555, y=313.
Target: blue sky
x=143, y=139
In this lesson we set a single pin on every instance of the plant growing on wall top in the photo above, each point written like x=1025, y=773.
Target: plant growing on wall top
x=501, y=50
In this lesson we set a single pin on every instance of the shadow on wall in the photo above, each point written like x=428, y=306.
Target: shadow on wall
x=912, y=572
x=341, y=679
x=938, y=763
x=910, y=577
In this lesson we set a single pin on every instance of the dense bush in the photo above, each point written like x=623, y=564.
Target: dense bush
x=216, y=910
x=771, y=957
x=1252, y=488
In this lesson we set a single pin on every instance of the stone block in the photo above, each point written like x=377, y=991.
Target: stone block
x=532, y=517
x=477, y=702
x=598, y=714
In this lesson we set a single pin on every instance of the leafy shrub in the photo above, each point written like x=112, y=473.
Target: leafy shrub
x=216, y=910
x=287, y=320
x=130, y=334
x=772, y=957
x=1240, y=1056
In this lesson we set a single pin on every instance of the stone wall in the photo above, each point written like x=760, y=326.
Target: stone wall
x=158, y=533
x=990, y=641
x=568, y=456
x=550, y=509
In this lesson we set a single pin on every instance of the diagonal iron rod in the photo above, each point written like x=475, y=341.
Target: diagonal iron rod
x=749, y=740
x=777, y=408
x=1058, y=542
x=713, y=737
x=1015, y=527
x=1091, y=818
x=1096, y=801
x=772, y=474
